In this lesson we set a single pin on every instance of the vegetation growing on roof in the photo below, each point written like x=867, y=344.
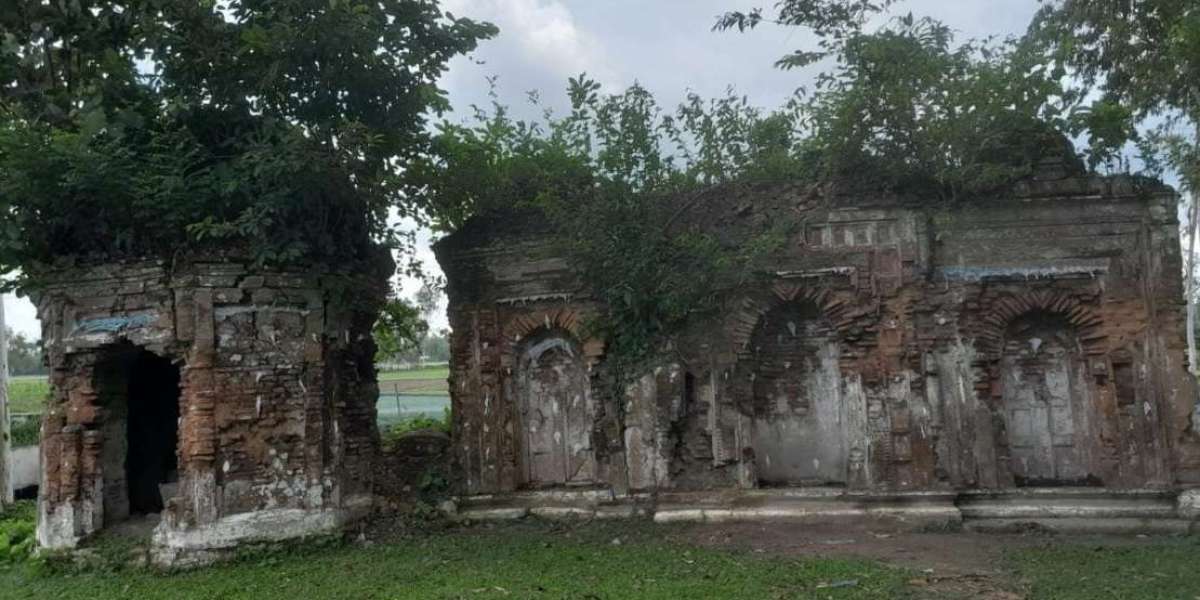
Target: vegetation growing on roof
x=905, y=108
x=269, y=129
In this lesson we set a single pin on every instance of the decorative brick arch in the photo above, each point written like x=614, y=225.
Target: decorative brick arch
x=833, y=305
x=565, y=319
x=989, y=338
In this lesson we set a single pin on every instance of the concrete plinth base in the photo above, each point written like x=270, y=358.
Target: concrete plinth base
x=195, y=546
x=1066, y=510
x=555, y=505
x=1188, y=504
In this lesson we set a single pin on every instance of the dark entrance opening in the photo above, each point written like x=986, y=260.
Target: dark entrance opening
x=140, y=394
x=153, y=431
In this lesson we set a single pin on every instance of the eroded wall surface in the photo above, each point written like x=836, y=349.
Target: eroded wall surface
x=276, y=432
x=1034, y=338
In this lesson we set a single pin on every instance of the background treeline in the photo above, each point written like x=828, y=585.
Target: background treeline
x=24, y=355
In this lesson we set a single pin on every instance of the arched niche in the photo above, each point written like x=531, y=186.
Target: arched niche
x=790, y=386
x=556, y=410
x=1046, y=402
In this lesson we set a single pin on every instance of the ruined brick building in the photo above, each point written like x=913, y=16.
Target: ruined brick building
x=1007, y=357
x=237, y=403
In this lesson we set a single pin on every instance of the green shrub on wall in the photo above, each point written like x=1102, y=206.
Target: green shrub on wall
x=904, y=109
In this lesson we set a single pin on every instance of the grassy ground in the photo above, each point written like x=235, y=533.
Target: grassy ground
x=27, y=394
x=428, y=387
x=627, y=559
x=438, y=372
x=1163, y=569
x=509, y=562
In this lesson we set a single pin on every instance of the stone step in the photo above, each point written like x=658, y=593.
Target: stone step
x=586, y=503
x=1068, y=503
x=1054, y=508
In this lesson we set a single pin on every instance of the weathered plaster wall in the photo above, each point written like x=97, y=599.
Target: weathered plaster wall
x=890, y=349
x=277, y=399
x=555, y=407
x=801, y=428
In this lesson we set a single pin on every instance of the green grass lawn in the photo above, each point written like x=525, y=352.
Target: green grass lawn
x=438, y=372
x=1163, y=568
x=27, y=394
x=528, y=561
x=540, y=560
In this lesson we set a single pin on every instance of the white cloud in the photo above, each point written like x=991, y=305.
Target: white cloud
x=543, y=33
x=21, y=316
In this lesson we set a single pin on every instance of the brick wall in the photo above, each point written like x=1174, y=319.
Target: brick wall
x=276, y=400
x=900, y=309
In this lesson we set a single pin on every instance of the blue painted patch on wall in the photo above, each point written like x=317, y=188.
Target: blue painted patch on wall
x=112, y=324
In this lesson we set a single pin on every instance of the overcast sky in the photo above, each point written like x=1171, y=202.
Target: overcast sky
x=666, y=45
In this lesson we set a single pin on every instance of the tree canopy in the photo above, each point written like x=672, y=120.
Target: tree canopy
x=24, y=355
x=295, y=130
x=273, y=129
x=1143, y=58
x=903, y=107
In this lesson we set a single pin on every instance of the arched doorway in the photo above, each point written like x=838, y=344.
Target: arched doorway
x=1046, y=402
x=556, y=412
x=139, y=394
x=800, y=424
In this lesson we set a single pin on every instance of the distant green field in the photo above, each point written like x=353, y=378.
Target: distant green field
x=439, y=372
x=412, y=393
x=27, y=394
x=393, y=409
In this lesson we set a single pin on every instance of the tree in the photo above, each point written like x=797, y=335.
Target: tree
x=24, y=355
x=428, y=299
x=273, y=130
x=1143, y=58
x=436, y=347
x=607, y=177
x=614, y=176
x=833, y=22
x=399, y=329
x=916, y=108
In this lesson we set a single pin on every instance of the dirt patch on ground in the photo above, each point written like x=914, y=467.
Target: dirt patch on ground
x=948, y=564
x=942, y=553
x=944, y=564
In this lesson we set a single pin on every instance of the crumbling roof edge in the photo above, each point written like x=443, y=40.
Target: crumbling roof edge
x=515, y=223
